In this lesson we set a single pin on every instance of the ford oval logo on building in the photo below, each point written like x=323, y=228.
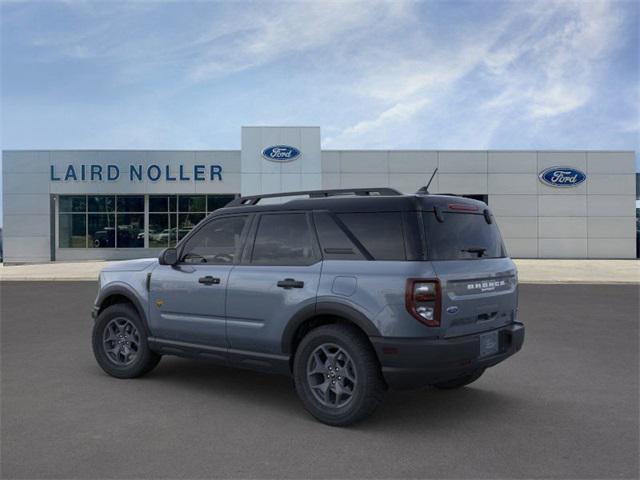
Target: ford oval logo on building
x=281, y=153
x=562, y=177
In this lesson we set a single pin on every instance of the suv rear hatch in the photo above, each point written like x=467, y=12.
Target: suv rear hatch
x=478, y=281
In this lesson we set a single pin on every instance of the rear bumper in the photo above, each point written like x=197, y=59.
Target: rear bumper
x=414, y=363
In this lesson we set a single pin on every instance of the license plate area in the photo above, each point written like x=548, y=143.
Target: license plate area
x=489, y=344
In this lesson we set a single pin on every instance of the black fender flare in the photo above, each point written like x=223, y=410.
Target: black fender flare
x=123, y=291
x=326, y=308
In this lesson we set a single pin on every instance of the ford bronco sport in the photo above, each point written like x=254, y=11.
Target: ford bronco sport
x=350, y=292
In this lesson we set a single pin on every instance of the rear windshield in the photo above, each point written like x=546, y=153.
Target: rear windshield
x=462, y=236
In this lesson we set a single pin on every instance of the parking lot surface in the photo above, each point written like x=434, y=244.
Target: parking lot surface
x=566, y=406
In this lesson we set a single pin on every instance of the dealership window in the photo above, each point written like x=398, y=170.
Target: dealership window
x=118, y=221
x=73, y=203
x=162, y=221
x=191, y=209
x=130, y=221
x=215, y=202
x=171, y=217
x=101, y=221
x=72, y=221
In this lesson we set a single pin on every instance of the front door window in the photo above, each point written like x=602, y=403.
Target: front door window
x=217, y=243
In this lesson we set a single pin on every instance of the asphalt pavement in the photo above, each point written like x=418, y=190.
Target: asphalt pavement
x=566, y=406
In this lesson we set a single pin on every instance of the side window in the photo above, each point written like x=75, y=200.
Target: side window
x=283, y=239
x=380, y=233
x=334, y=242
x=217, y=243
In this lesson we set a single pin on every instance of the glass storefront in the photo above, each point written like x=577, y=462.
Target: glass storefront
x=73, y=230
x=118, y=221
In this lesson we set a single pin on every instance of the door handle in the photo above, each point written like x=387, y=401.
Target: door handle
x=290, y=283
x=209, y=280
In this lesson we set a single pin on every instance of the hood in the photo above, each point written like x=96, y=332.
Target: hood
x=136, y=265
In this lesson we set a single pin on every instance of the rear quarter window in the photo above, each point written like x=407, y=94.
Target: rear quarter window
x=335, y=243
x=381, y=233
x=462, y=236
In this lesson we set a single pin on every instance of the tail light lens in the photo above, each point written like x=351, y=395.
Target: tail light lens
x=422, y=299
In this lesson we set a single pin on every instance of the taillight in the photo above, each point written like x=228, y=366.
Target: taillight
x=422, y=299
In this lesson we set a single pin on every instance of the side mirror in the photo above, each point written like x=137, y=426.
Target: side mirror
x=169, y=256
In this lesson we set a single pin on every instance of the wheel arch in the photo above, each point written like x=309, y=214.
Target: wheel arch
x=118, y=294
x=323, y=313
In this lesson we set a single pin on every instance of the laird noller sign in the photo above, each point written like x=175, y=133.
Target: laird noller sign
x=135, y=173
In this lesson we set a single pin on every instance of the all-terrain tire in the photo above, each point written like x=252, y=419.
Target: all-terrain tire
x=123, y=350
x=460, y=381
x=361, y=374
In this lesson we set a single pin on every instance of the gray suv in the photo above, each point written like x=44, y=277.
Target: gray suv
x=350, y=292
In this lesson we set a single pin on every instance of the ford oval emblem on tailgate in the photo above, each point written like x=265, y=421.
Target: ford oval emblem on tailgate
x=452, y=309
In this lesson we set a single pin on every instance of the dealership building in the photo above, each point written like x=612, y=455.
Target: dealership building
x=117, y=204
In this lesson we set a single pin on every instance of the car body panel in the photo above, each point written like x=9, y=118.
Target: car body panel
x=136, y=265
x=181, y=308
x=258, y=311
x=476, y=299
x=130, y=284
x=379, y=292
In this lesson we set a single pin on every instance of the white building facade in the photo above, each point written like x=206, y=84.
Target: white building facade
x=116, y=204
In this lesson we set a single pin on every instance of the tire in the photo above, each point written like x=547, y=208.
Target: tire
x=460, y=381
x=119, y=326
x=359, y=383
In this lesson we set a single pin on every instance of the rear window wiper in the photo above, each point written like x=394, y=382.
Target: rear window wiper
x=479, y=250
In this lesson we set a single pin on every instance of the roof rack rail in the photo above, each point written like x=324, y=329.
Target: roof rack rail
x=360, y=192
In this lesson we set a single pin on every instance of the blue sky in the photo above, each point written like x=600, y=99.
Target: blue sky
x=374, y=74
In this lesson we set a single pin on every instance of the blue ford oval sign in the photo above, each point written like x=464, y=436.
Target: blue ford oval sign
x=562, y=177
x=281, y=153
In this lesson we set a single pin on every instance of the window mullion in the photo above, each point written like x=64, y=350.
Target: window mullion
x=86, y=221
x=115, y=222
x=146, y=221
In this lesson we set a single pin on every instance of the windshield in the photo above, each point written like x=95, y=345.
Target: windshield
x=462, y=236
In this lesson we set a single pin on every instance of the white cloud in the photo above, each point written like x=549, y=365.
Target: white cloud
x=400, y=112
x=261, y=37
x=406, y=88
x=539, y=60
x=232, y=37
x=374, y=72
x=567, y=57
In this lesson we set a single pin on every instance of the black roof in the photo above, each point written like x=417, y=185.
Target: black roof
x=391, y=201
